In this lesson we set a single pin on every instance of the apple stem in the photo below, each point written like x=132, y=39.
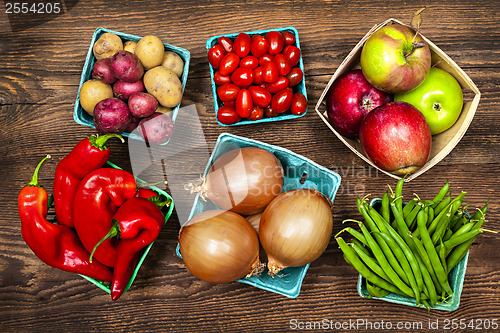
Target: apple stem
x=436, y=106
x=414, y=46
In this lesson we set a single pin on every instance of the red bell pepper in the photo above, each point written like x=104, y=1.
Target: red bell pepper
x=56, y=245
x=97, y=198
x=88, y=155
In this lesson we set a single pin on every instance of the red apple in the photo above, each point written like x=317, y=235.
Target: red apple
x=396, y=138
x=348, y=101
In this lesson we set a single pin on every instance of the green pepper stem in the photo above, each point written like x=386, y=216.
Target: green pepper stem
x=34, y=179
x=159, y=202
x=113, y=232
x=100, y=142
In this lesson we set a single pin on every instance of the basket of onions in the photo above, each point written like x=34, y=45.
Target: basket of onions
x=261, y=216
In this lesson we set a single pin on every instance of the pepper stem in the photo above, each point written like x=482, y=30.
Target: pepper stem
x=159, y=201
x=113, y=232
x=100, y=142
x=34, y=179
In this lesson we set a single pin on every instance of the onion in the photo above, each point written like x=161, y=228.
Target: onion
x=295, y=228
x=244, y=180
x=254, y=220
x=219, y=246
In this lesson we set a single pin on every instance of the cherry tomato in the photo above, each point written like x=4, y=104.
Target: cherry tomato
x=289, y=37
x=249, y=61
x=242, y=77
x=215, y=55
x=270, y=72
x=256, y=114
x=257, y=75
x=280, y=84
x=295, y=76
x=276, y=42
x=282, y=100
x=229, y=63
x=269, y=112
x=227, y=115
x=259, y=45
x=221, y=79
x=299, y=104
x=241, y=45
x=226, y=43
x=293, y=54
x=230, y=103
x=265, y=58
x=283, y=64
x=260, y=96
x=244, y=103
x=228, y=92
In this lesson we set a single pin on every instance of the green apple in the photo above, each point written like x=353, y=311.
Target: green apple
x=439, y=97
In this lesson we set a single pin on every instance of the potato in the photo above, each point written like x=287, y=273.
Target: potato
x=150, y=51
x=173, y=61
x=92, y=92
x=162, y=109
x=130, y=46
x=163, y=84
x=107, y=45
x=111, y=116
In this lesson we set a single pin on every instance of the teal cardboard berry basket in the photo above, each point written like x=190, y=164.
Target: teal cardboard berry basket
x=301, y=87
x=296, y=167
x=82, y=117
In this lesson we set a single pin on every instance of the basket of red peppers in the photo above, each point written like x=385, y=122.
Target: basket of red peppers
x=105, y=221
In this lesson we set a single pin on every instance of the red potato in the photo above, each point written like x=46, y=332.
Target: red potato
x=111, y=115
x=156, y=128
x=102, y=71
x=123, y=90
x=142, y=104
x=132, y=125
x=125, y=66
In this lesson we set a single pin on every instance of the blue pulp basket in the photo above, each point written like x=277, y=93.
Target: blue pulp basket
x=301, y=87
x=455, y=278
x=82, y=117
x=289, y=281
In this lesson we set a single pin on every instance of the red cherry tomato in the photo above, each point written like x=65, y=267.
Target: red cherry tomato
x=228, y=92
x=270, y=72
x=241, y=44
x=276, y=42
x=244, y=103
x=283, y=64
x=295, y=76
x=260, y=96
x=293, y=54
x=249, y=61
x=229, y=63
x=226, y=43
x=265, y=58
x=289, y=37
x=257, y=75
x=221, y=79
x=299, y=104
x=256, y=114
x=282, y=100
x=269, y=112
x=242, y=77
x=227, y=115
x=215, y=55
x=259, y=45
x=280, y=84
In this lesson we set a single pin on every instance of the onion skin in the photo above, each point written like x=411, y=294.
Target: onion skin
x=219, y=246
x=244, y=180
x=295, y=228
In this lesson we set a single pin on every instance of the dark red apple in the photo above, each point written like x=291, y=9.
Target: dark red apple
x=396, y=138
x=348, y=101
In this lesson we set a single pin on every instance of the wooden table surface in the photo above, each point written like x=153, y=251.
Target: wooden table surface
x=41, y=58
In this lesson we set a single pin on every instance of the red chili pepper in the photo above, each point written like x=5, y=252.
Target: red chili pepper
x=97, y=198
x=56, y=245
x=88, y=155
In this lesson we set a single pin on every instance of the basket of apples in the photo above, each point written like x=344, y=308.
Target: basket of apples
x=397, y=100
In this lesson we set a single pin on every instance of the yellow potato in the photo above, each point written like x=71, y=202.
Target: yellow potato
x=150, y=51
x=163, y=109
x=130, y=46
x=163, y=84
x=173, y=61
x=92, y=92
x=107, y=45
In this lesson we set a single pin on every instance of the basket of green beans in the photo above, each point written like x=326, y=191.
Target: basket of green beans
x=412, y=253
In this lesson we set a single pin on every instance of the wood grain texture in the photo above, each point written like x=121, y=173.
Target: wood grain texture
x=40, y=70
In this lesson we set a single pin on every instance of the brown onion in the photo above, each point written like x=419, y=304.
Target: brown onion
x=219, y=246
x=295, y=228
x=244, y=180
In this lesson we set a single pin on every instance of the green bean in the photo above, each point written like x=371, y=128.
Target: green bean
x=463, y=220
x=442, y=205
x=431, y=216
x=455, y=219
x=422, y=255
x=441, y=229
x=411, y=219
x=481, y=212
x=375, y=290
x=463, y=229
x=429, y=283
x=361, y=246
x=451, y=243
x=385, y=211
x=393, y=261
x=441, y=251
x=437, y=220
x=370, y=262
x=447, y=235
x=429, y=219
x=442, y=192
x=409, y=206
x=375, y=216
x=356, y=234
x=398, y=194
x=368, y=220
x=402, y=228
